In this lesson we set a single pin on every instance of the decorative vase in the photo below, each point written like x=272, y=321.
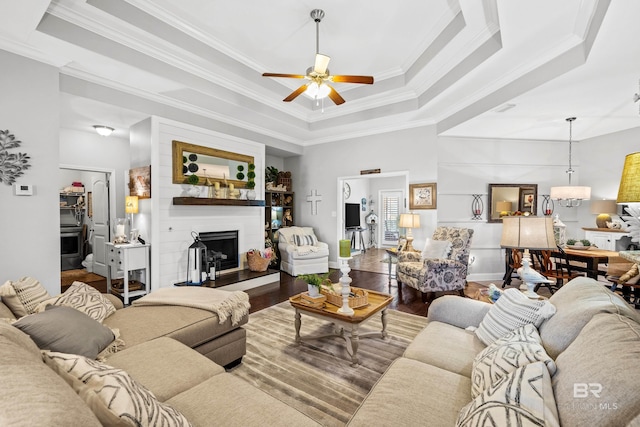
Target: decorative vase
x=313, y=291
x=251, y=195
x=193, y=191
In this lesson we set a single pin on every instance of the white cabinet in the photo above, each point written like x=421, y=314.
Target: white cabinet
x=124, y=259
x=608, y=239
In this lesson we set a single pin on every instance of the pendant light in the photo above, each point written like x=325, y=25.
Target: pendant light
x=571, y=195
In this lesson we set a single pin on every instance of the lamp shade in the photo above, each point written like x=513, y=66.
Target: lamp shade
x=603, y=206
x=629, y=190
x=504, y=206
x=409, y=220
x=570, y=192
x=131, y=205
x=522, y=232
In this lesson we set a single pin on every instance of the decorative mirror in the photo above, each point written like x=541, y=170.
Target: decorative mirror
x=209, y=164
x=511, y=199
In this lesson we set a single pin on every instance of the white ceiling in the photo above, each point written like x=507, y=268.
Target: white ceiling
x=451, y=63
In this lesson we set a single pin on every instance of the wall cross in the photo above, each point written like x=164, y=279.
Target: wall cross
x=314, y=199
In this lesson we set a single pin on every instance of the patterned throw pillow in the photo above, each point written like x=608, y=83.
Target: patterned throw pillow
x=304, y=240
x=84, y=298
x=113, y=396
x=27, y=294
x=522, y=398
x=512, y=310
x=514, y=350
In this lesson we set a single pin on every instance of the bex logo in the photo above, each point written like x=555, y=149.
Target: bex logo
x=582, y=390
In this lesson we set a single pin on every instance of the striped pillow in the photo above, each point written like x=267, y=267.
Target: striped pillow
x=304, y=240
x=113, y=396
x=27, y=294
x=512, y=310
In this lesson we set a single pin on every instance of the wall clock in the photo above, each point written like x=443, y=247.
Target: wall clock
x=347, y=190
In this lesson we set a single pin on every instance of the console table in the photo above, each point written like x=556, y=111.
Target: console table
x=607, y=238
x=125, y=259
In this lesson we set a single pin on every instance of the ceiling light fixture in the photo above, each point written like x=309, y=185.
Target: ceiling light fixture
x=571, y=195
x=103, y=130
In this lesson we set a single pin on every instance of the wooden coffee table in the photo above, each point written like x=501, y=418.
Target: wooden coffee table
x=378, y=301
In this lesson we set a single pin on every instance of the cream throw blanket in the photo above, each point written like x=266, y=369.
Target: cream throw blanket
x=224, y=304
x=306, y=249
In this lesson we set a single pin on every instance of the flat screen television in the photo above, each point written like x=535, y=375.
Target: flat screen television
x=351, y=215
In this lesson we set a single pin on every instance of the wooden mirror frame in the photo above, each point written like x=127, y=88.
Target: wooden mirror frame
x=179, y=148
x=520, y=194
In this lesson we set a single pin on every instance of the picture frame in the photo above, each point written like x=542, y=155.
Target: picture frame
x=423, y=196
x=527, y=201
x=140, y=182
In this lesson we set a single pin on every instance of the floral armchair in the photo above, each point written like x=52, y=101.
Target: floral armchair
x=430, y=275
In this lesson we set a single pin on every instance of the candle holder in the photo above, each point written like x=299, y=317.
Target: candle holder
x=546, y=205
x=477, y=207
x=345, y=280
x=121, y=230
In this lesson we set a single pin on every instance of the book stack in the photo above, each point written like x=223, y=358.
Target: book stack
x=315, y=302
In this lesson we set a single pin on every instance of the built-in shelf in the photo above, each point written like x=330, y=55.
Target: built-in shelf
x=202, y=201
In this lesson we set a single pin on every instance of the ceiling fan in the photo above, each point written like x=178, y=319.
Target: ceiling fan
x=319, y=77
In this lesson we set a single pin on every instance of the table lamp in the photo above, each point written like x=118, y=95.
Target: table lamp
x=603, y=208
x=629, y=192
x=131, y=207
x=504, y=208
x=409, y=221
x=535, y=233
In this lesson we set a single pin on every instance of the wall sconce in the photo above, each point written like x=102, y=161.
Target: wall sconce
x=103, y=130
x=477, y=207
x=547, y=205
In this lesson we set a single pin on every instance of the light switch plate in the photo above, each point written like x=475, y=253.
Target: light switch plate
x=23, y=189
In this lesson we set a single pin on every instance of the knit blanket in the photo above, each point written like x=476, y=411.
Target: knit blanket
x=224, y=304
x=306, y=249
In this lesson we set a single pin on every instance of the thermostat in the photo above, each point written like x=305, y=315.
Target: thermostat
x=23, y=189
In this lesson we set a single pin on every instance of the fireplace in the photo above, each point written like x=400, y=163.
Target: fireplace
x=222, y=247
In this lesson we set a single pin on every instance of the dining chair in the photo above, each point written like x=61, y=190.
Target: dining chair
x=555, y=265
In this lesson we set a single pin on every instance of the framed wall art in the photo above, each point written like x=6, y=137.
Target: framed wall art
x=422, y=196
x=140, y=182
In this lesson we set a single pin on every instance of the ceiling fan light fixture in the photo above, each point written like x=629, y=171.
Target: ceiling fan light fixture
x=316, y=91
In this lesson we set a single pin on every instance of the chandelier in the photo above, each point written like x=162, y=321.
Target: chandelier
x=571, y=195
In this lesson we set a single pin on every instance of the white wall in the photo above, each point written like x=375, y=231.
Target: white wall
x=320, y=167
x=30, y=110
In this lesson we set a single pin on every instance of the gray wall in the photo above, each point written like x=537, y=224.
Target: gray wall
x=29, y=108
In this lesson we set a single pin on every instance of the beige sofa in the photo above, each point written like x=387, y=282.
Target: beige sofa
x=156, y=354
x=594, y=338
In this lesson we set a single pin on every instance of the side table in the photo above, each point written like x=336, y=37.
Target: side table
x=124, y=259
x=392, y=255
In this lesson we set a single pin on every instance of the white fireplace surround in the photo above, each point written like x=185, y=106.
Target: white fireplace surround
x=170, y=226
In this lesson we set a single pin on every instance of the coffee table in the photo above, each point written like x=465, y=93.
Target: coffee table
x=378, y=301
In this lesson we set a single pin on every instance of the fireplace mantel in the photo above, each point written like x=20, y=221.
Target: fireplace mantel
x=202, y=201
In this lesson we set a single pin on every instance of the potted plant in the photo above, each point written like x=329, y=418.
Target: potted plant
x=271, y=175
x=251, y=183
x=315, y=282
x=194, y=191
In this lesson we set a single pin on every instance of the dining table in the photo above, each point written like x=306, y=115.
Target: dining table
x=588, y=260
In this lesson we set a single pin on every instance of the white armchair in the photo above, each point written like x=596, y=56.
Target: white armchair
x=301, y=252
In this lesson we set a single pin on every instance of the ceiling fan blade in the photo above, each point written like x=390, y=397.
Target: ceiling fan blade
x=322, y=62
x=335, y=96
x=292, y=76
x=367, y=80
x=295, y=93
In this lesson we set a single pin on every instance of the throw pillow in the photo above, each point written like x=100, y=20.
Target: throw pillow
x=436, y=249
x=84, y=298
x=512, y=310
x=514, y=350
x=304, y=240
x=113, y=396
x=66, y=330
x=522, y=398
x=29, y=293
x=11, y=300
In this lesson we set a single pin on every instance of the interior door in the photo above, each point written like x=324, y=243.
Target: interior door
x=100, y=223
x=391, y=202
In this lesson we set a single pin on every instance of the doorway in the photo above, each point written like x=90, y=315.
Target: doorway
x=93, y=208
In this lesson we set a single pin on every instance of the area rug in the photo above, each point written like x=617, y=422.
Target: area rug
x=316, y=376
